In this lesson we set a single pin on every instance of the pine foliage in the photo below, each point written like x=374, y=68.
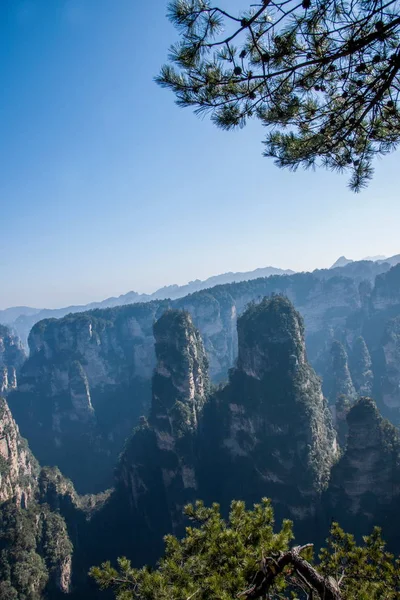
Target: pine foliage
x=244, y=557
x=321, y=75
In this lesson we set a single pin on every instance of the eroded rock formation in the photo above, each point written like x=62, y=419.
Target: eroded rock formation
x=361, y=368
x=365, y=483
x=270, y=425
x=12, y=357
x=36, y=549
x=339, y=378
x=18, y=468
x=390, y=382
x=157, y=471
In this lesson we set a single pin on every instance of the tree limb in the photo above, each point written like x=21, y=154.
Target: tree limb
x=327, y=588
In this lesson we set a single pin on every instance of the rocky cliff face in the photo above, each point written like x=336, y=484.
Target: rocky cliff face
x=18, y=467
x=338, y=379
x=157, y=471
x=268, y=432
x=181, y=374
x=12, y=356
x=390, y=383
x=365, y=483
x=379, y=327
x=84, y=387
x=36, y=550
x=270, y=426
x=361, y=368
x=386, y=293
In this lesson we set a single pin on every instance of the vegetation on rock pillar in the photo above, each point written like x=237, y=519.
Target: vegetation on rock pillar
x=35, y=553
x=280, y=429
x=322, y=75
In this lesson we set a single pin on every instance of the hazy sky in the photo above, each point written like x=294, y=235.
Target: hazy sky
x=106, y=186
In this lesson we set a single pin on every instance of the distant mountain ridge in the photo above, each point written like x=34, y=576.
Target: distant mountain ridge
x=342, y=261
x=22, y=318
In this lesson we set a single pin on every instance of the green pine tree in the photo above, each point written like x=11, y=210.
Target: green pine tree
x=244, y=557
x=322, y=75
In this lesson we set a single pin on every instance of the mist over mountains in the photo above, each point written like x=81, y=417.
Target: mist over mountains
x=342, y=261
x=22, y=318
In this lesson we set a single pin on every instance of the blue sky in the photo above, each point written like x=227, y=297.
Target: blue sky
x=107, y=186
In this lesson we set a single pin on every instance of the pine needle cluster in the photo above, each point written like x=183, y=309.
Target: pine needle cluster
x=321, y=75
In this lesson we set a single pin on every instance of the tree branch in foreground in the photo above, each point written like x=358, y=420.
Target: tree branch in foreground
x=326, y=588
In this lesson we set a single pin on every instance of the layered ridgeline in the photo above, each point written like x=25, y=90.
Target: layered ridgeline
x=363, y=359
x=380, y=330
x=22, y=318
x=12, y=356
x=35, y=549
x=88, y=377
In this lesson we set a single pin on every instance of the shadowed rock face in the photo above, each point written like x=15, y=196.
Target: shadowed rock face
x=12, y=357
x=181, y=374
x=271, y=426
x=22, y=513
x=18, y=468
x=267, y=433
x=83, y=390
x=341, y=383
x=390, y=381
x=271, y=338
x=386, y=293
x=157, y=472
x=361, y=368
x=365, y=483
x=340, y=412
